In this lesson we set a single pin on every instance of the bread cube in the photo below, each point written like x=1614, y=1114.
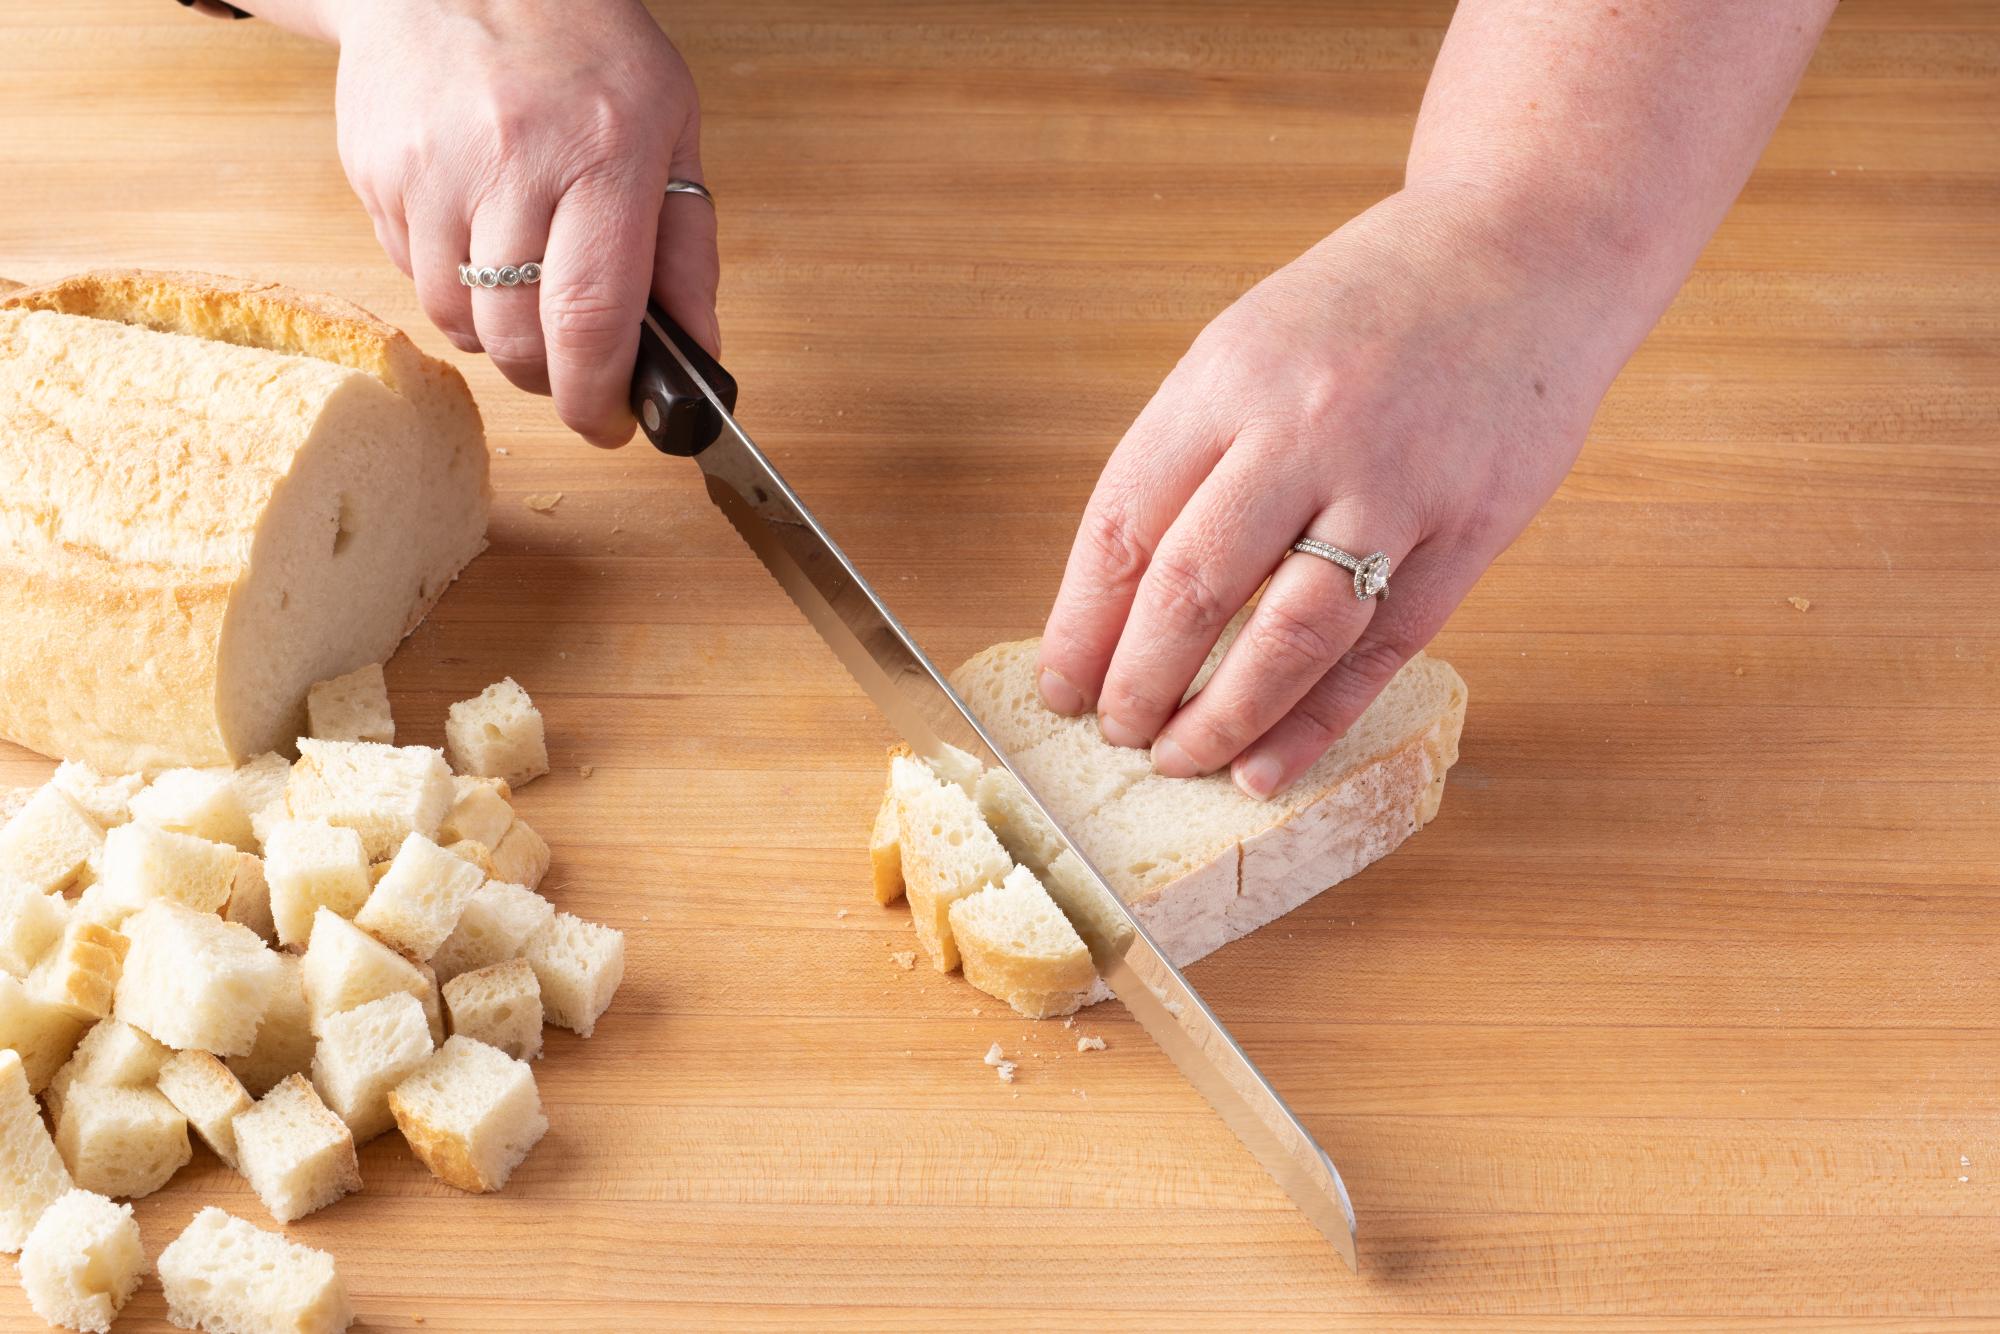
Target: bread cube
x=268, y=817
x=261, y=784
x=1016, y=945
x=284, y=1044
x=499, y=1005
x=497, y=734
x=418, y=901
x=310, y=865
x=80, y=974
x=475, y=854
x=885, y=852
x=49, y=843
x=345, y=967
x=223, y=1274
x=83, y=1262
x=42, y=1034
x=471, y=1112
x=112, y=1052
x=250, y=898
x=108, y=801
x=366, y=1051
x=121, y=1141
x=194, y=980
x=145, y=864
x=480, y=812
x=206, y=803
x=433, y=1003
x=386, y=793
x=354, y=707
x=948, y=853
x=296, y=1154
x=30, y=924
x=14, y=800
x=579, y=965
x=495, y=926
x=203, y=1090
x=32, y=1175
x=521, y=857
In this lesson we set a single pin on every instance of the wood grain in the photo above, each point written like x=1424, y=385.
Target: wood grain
x=1684, y=1015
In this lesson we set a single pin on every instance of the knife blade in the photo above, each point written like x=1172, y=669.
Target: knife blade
x=685, y=402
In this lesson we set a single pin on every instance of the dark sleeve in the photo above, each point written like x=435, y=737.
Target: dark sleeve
x=215, y=9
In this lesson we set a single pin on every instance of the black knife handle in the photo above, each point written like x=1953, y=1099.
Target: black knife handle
x=673, y=412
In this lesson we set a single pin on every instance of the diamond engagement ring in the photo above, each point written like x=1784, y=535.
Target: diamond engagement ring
x=1371, y=573
x=506, y=275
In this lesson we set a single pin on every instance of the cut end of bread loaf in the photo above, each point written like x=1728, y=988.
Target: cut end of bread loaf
x=321, y=482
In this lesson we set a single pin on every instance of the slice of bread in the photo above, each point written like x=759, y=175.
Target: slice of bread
x=207, y=803
x=345, y=967
x=80, y=974
x=284, y=1044
x=203, y=1090
x=146, y=864
x=194, y=980
x=521, y=857
x=112, y=1052
x=471, y=1113
x=497, y=734
x=885, y=853
x=386, y=793
x=415, y=905
x=948, y=853
x=496, y=925
x=83, y=1262
x=1198, y=862
x=354, y=707
x=481, y=811
x=32, y=1174
x=227, y=1276
x=42, y=1035
x=105, y=800
x=578, y=965
x=1016, y=945
x=296, y=1154
x=310, y=865
x=366, y=1051
x=125, y=1142
x=250, y=898
x=50, y=842
x=499, y=1005
x=30, y=924
x=312, y=484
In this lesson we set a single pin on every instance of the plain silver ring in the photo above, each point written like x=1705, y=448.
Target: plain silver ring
x=691, y=188
x=1371, y=573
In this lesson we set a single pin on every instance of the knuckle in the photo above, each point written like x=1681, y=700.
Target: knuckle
x=1183, y=596
x=1375, y=660
x=1291, y=643
x=1113, y=542
x=513, y=348
x=585, y=318
x=1319, y=721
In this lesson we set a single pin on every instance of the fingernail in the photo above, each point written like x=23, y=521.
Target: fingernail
x=1171, y=760
x=1118, y=734
x=1060, y=695
x=1258, y=776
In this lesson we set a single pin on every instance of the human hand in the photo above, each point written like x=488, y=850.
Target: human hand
x=503, y=131
x=1417, y=384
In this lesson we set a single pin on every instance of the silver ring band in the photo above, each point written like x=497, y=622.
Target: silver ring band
x=505, y=275
x=691, y=188
x=1371, y=573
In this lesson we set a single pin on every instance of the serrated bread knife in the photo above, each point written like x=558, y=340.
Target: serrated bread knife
x=684, y=400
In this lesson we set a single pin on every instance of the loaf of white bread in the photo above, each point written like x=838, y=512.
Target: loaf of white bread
x=214, y=493
x=1198, y=862
x=151, y=994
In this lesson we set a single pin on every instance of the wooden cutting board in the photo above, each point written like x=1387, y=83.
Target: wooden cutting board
x=1685, y=1013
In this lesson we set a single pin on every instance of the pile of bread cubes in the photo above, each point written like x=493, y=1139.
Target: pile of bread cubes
x=287, y=959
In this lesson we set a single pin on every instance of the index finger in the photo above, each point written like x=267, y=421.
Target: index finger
x=595, y=278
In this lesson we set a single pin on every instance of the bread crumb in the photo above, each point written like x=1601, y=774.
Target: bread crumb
x=1737, y=672
x=994, y=1056
x=1803, y=604
x=645, y=917
x=1090, y=1044
x=1070, y=1022
x=585, y=770
x=905, y=959
x=841, y=913
x=1174, y=1008
x=542, y=502
x=1006, y=1072
x=503, y=452
x=1081, y=1094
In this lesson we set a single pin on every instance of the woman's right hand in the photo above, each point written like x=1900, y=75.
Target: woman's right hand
x=503, y=131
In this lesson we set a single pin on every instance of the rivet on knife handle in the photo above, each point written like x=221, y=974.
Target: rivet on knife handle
x=672, y=410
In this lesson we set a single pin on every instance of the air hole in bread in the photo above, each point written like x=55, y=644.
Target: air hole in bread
x=343, y=532
x=493, y=733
